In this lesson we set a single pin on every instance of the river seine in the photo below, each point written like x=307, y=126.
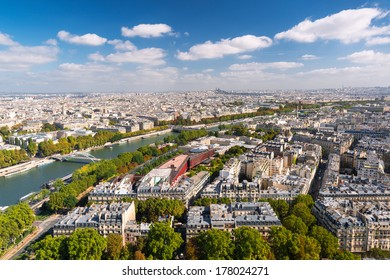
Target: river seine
x=16, y=186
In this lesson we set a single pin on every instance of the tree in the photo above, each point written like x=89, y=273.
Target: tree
x=280, y=207
x=329, y=243
x=250, y=245
x=4, y=131
x=56, y=201
x=105, y=169
x=32, y=147
x=51, y=248
x=281, y=239
x=70, y=201
x=305, y=248
x=138, y=255
x=304, y=198
x=295, y=224
x=163, y=241
x=287, y=245
x=22, y=215
x=378, y=254
x=137, y=157
x=114, y=246
x=86, y=244
x=215, y=244
x=58, y=184
x=302, y=211
x=345, y=255
x=192, y=249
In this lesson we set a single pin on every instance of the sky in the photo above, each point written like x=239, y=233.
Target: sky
x=161, y=45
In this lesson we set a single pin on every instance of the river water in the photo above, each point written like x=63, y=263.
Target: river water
x=14, y=187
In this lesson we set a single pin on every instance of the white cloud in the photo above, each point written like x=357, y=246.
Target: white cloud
x=122, y=45
x=6, y=40
x=224, y=47
x=309, y=57
x=89, y=67
x=348, y=26
x=209, y=70
x=378, y=41
x=86, y=39
x=51, y=42
x=244, y=56
x=147, y=30
x=281, y=65
x=368, y=57
x=150, y=56
x=21, y=58
x=96, y=57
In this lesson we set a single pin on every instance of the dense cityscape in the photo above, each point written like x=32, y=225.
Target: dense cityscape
x=234, y=175
x=194, y=139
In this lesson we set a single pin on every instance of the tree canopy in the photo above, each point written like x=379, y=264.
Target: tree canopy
x=250, y=245
x=162, y=241
x=86, y=244
x=215, y=244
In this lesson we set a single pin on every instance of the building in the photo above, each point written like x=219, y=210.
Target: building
x=105, y=218
x=258, y=215
x=145, y=125
x=186, y=189
x=258, y=175
x=113, y=191
x=370, y=167
x=359, y=225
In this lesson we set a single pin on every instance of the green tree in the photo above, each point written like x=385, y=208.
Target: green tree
x=302, y=211
x=345, y=255
x=86, y=244
x=378, y=254
x=280, y=207
x=4, y=131
x=58, y=184
x=281, y=239
x=56, y=201
x=287, y=245
x=250, y=245
x=215, y=244
x=32, y=148
x=51, y=248
x=114, y=246
x=305, y=248
x=105, y=169
x=163, y=241
x=70, y=201
x=138, y=157
x=329, y=243
x=295, y=224
x=192, y=249
x=304, y=198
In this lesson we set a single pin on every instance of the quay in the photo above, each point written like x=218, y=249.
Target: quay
x=23, y=167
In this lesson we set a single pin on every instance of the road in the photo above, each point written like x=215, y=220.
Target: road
x=42, y=227
x=315, y=188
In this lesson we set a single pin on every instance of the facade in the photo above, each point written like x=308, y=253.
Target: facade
x=105, y=218
x=186, y=189
x=258, y=175
x=359, y=225
x=111, y=191
x=258, y=215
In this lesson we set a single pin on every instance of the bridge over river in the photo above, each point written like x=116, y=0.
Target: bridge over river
x=79, y=157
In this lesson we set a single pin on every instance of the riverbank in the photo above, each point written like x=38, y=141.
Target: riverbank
x=26, y=166
x=23, y=167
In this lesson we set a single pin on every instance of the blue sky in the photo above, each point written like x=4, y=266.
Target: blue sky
x=145, y=45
